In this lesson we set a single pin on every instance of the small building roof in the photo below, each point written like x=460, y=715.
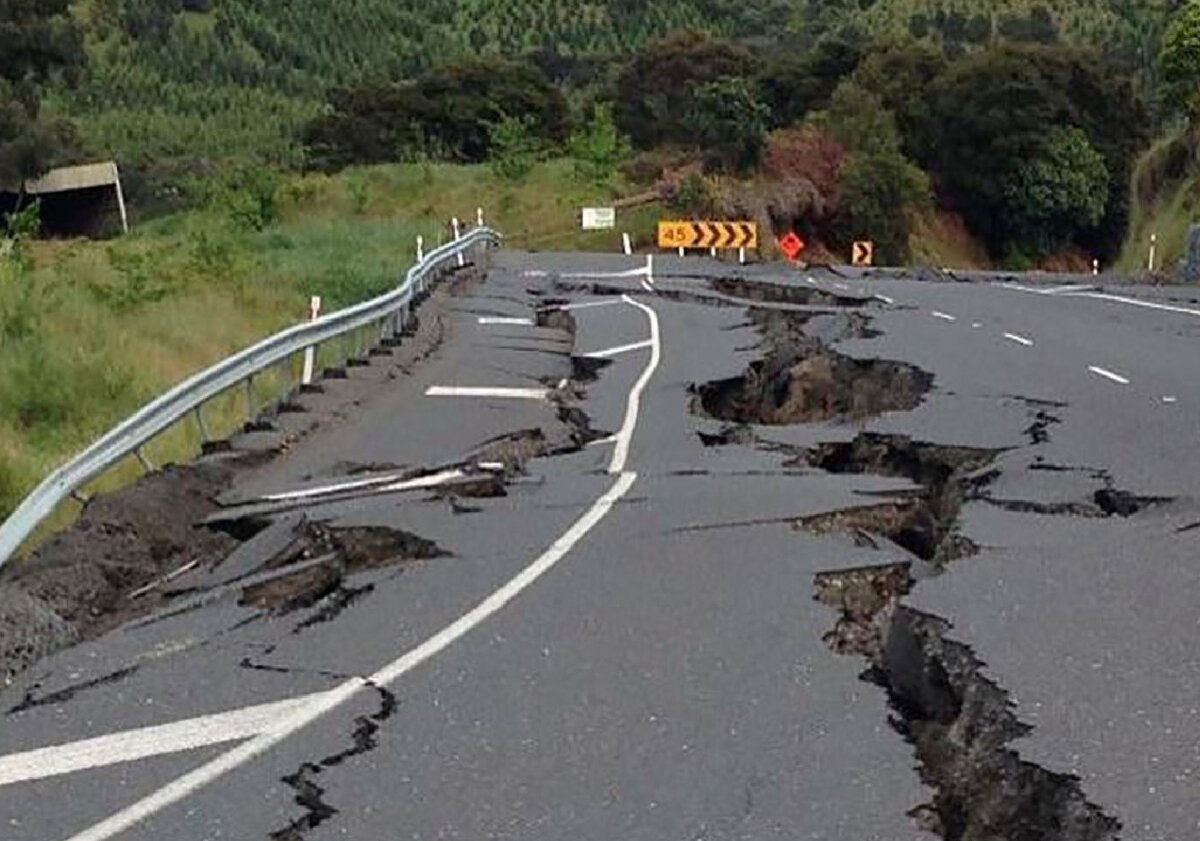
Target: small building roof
x=67, y=178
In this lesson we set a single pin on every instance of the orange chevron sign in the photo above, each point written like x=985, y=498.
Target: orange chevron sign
x=707, y=235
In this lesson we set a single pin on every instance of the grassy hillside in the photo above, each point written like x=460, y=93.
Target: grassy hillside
x=96, y=330
x=1165, y=201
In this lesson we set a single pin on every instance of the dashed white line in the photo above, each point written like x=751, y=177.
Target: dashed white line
x=521, y=322
x=583, y=305
x=976, y=324
x=1021, y=340
x=1108, y=375
x=1170, y=399
x=145, y=742
x=487, y=391
x=617, y=351
x=885, y=299
x=319, y=705
x=385, y=484
x=943, y=316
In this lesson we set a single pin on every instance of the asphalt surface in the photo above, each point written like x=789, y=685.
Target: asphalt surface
x=626, y=644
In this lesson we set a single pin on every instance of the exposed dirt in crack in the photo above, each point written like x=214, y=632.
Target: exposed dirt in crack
x=924, y=522
x=803, y=380
x=309, y=795
x=960, y=723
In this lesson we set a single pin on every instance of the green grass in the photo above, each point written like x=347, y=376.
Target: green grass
x=96, y=330
x=1165, y=201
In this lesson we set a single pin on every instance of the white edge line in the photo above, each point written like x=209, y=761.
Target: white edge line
x=885, y=299
x=1108, y=375
x=640, y=271
x=485, y=391
x=1021, y=340
x=145, y=742
x=1067, y=292
x=522, y=322
x=625, y=435
x=617, y=351
x=646, y=285
x=183, y=786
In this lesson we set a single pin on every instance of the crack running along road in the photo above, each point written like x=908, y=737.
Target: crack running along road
x=322, y=704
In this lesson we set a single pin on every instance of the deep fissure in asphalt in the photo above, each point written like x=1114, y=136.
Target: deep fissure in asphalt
x=960, y=723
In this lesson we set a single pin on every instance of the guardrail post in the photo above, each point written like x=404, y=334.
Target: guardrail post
x=204, y=436
x=145, y=462
x=250, y=397
x=310, y=352
x=462, y=261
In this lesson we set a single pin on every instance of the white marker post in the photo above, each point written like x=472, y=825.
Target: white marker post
x=1153, y=249
x=650, y=268
x=627, y=243
x=1095, y=268
x=310, y=352
x=479, y=216
x=420, y=249
x=462, y=261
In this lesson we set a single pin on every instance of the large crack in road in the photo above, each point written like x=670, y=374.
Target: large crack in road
x=960, y=723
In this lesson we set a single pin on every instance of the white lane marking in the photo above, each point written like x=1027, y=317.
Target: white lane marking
x=145, y=742
x=286, y=726
x=976, y=324
x=536, y=273
x=487, y=391
x=646, y=285
x=943, y=316
x=1103, y=296
x=612, y=439
x=386, y=483
x=1170, y=399
x=625, y=435
x=617, y=351
x=1021, y=340
x=1108, y=375
x=583, y=305
x=523, y=322
x=1077, y=287
x=885, y=299
x=640, y=271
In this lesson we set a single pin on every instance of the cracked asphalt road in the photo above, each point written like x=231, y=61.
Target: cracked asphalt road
x=623, y=642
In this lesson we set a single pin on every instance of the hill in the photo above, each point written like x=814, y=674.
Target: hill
x=214, y=79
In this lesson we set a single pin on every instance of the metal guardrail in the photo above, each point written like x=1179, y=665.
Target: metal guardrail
x=130, y=435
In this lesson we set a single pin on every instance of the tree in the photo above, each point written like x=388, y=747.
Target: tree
x=901, y=76
x=1179, y=61
x=445, y=114
x=796, y=84
x=598, y=148
x=653, y=93
x=1062, y=189
x=514, y=148
x=728, y=122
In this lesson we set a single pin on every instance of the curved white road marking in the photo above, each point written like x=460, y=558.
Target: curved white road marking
x=1021, y=340
x=487, y=391
x=317, y=706
x=1108, y=375
x=943, y=316
x=625, y=435
x=584, y=305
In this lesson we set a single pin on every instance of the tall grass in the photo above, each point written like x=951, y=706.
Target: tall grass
x=94, y=330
